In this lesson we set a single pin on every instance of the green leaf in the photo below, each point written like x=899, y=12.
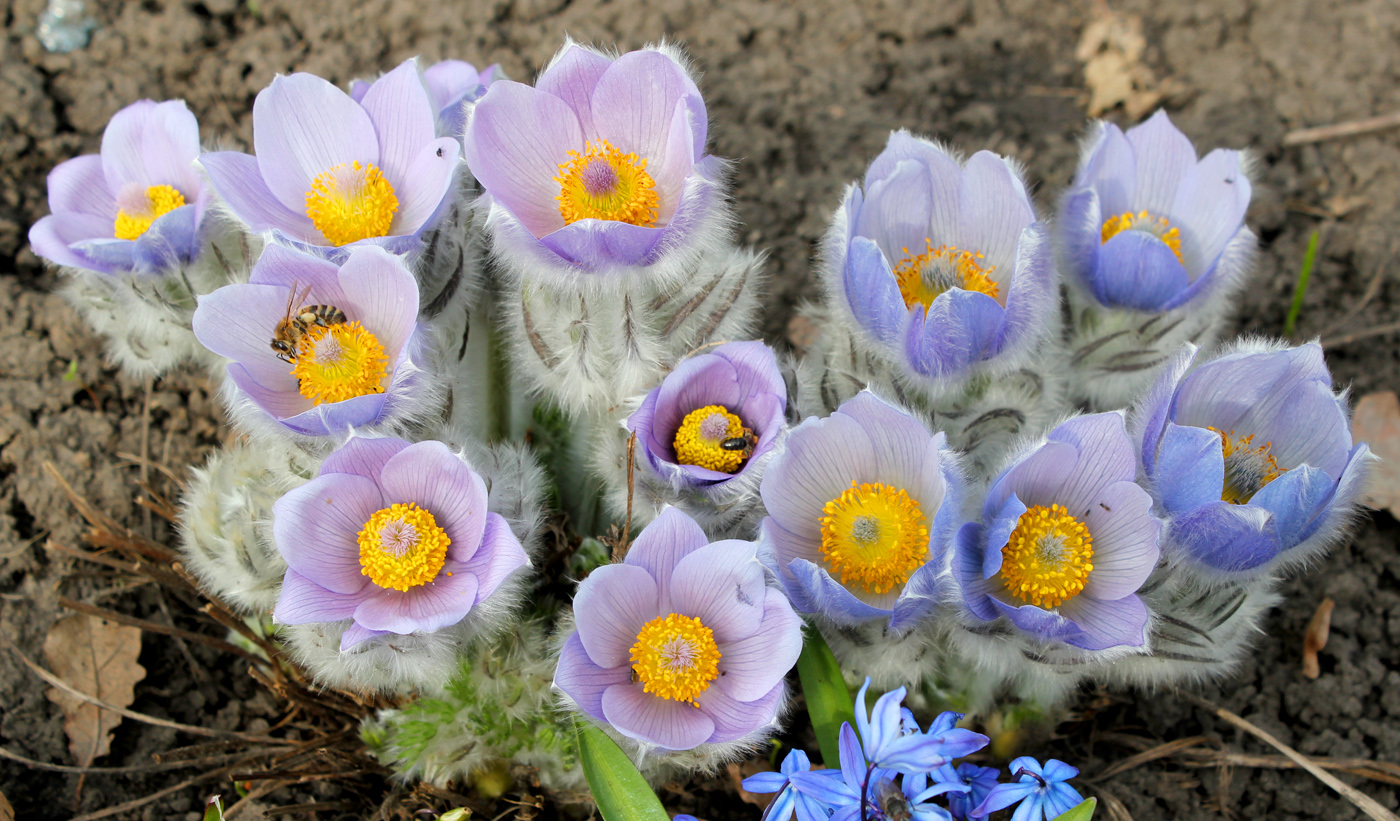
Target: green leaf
x=71, y=374
x=1302, y=287
x=1083, y=812
x=214, y=809
x=621, y=792
x=829, y=702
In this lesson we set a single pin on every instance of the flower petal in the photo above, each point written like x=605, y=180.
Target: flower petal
x=611, y=607
x=80, y=186
x=1138, y=271
x=722, y=584
x=1209, y=208
x=635, y=100
x=583, y=681
x=426, y=608
x=382, y=294
x=316, y=526
x=661, y=546
x=735, y=718
x=53, y=237
x=303, y=601
x=1163, y=156
x=149, y=143
x=1189, y=470
x=1110, y=171
x=1107, y=623
x=823, y=458
x=239, y=182
x=750, y=666
x=674, y=725
x=499, y=556
x=424, y=185
x=1105, y=456
x=238, y=321
x=402, y=116
x=1125, y=541
x=994, y=210
x=303, y=127
x=1228, y=537
x=433, y=477
x=872, y=292
x=1296, y=499
x=362, y=456
x=571, y=77
x=900, y=446
x=898, y=210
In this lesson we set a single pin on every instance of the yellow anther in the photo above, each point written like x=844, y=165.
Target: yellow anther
x=1047, y=558
x=351, y=202
x=402, y=547
x=339, y=362
x=923, y=277
x=1247, y=468
x=603, y=183
x=160, y=200
x=874, y=536
x=700, y=434
x=676, y=657
x=1158, y=227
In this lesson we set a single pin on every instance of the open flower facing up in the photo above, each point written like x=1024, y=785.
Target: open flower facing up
x=394, y=536
x=1066, y=539
x=714, y=418
x=861, y=508
x=1250, y=457
x=943, y=265
x=331, y=171
x=892, y=740
x=1041, y=791
x=451, y=83
x=682, y=644
x=319, y=348
x=784, y=805
x=1148, y=227
x=135, y=207
x=600, y=165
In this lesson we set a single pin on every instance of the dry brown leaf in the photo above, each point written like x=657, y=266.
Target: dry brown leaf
x=1111, y=48
x=1377, y=423
x=7, y=813
x=739, y=771
x=1315, y=638
x=96, y=657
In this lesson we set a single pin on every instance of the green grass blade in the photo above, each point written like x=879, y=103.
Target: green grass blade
x=214, y=809
x=621, y=792
x=1301, y=288
x=1082, y=812
x=829, y=701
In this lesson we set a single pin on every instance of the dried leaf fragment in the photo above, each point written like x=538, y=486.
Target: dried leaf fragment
x=7, y=813
x=1315, y=638
x=1111, y=48
x=99, y=658
x=1377, y=423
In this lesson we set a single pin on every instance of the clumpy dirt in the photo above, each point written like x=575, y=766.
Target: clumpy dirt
x=801, y=96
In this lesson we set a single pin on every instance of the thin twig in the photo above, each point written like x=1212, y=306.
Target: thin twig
x=137, y=803
x=631, y=486
x=1364, y=802
x=152, y=627
x=1160, y=751
x=1352, y=128
x=1372, y=289
x=1345, y=339
x=136, y=768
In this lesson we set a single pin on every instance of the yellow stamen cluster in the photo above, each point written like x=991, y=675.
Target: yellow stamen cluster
x=1158, y=227
x=402, y=547
x=351, y=202
x=923, y=277
x=698, y=437
x=339, y=362
x=676, y=657
x=874, y=536
x=160, y=200
x=1047, y=558
x=603, y=183
x=1247, y=469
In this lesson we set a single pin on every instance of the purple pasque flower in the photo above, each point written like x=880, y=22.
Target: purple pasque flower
x=136, y=206
x=892, y=740
x=681, y=644
x=1066, y=539
x=450, y=84
x=861, y=508
x=1148, y=227
x=394, y=536
x=786, y=803
x=980, y=781
x=353, y=364
x=683, y=424
x=1042, y=792
x=601, y=164
x=942, y=264
x=331, y=171
x=1250, y=456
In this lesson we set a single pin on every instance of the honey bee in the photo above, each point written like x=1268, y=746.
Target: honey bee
x=745, y=442
x=292, y=327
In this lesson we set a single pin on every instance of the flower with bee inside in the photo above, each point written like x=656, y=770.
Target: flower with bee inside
x=319, y=348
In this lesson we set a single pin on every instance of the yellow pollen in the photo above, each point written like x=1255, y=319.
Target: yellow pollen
x=874, y=536
x=160, y=200
x=676, y=657
x=351, y=202
x=1247, y=469
x=402, y=546
x=1047, y=558
x=698, y=438
x=923, y=277
x=339, y=362
x=1158, y=227
x=603, y=183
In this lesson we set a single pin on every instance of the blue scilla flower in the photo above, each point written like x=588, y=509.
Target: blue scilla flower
x=893, y=740
x=864, y=791
x=789, y=799
x=941, y=264
x=1249, y=457
x=1042, y=791
x=980, y=781
x=1148, y=227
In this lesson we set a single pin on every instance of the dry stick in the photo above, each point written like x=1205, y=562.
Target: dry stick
x=1353, y=128
x=152, y=627
x=1160, y=751
x=146, y=448
x=1372, y=289
x=137, y=803
x=142, y=717
x=1369, y=332
x=1364, y=802
x=136, y=768
x=631, y=485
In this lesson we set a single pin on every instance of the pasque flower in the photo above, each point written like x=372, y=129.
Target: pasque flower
x=331, y=171
x=600, y=165
x=709, y=399
x=1066, y=539
x=1146, y=226
x=681, y=644
x=941, y=263
x=861, y=507
x=1041, y=791
x=350, y=363
x=135, y=207
x=1250, y=456
x=394, y=536
x=450, y=84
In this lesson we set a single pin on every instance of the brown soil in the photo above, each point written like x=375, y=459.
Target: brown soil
x=802, y=96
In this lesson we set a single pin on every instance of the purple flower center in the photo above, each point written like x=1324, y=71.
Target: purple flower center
x=398, y=537
x=598, y=177
x=715, y=427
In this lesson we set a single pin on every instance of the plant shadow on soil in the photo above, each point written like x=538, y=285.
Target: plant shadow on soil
x=801, y=96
